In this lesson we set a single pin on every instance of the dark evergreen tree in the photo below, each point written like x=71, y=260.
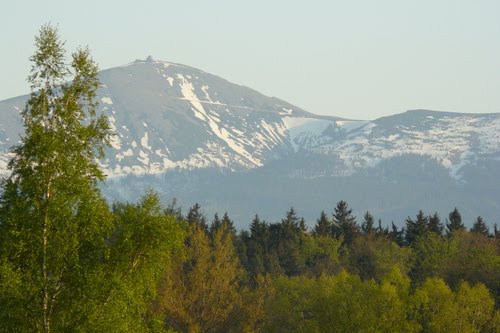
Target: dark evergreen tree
x=229, y=224
x=379, y=231
x=323, y=225
x=242, y=242
x=302, y=225
x=480, y=227
x=256, y=228
x=286, y=240
x=345, y=223
x=215, y=225
x=368, y=224
x=417, y=228
x=195, y=216
x=291, y=221
x=397, y=235
x=454, y=222
x=435, y=224
x=258, y=248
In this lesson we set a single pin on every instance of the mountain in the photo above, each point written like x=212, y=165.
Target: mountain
x=199, y=138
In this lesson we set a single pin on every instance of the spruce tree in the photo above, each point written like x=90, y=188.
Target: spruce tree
x=367, y=225
x=454, y=222
x=215, y=225
x=259, y=249
x=417, y=228
x=379, y=231
x=345, y=222
x=288, y=241
x=196, y=216
x=323, y=225
x=435, y=224
x=480, y=227
x=256, y=228
x=396, y=235
x=227, y=222
x=53, y=220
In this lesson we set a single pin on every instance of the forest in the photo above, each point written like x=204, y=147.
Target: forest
x=71, y=262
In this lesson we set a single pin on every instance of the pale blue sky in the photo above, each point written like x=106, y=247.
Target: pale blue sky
x=356, y=59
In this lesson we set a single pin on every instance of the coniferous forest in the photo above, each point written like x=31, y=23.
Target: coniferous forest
x=69, y=262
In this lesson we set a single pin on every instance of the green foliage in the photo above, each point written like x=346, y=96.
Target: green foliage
x=199, y=290
x=292, y=308
x=339, y=303
x=53, y=221
x=374, y=257
x=140, y=248
x=432, y=256
x=70, y=264
x=321, y=254
x=67, y=263
x=476, y=260
x=438, y=309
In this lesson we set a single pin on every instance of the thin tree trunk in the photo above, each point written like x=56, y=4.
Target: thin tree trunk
x=46, y=298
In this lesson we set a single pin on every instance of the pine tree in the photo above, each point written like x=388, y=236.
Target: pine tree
x=454, y=222
x=227, y=222
x=195, y=216
x=257, y=247
x=396, y=235
x=435, y=224
x=367, y=225
x=480, y=227
x=417, y=228
x=215, y=225
x=379, y=231
x=256, y=228
x=302, y=225
x=287, y=242
x=345, y=223
x=53, y=220
x=323, y=225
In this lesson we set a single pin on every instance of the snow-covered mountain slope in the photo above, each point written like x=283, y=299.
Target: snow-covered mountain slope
x=168, y=116
x=454, y=140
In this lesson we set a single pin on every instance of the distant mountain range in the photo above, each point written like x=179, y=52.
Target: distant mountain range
x=199, y=138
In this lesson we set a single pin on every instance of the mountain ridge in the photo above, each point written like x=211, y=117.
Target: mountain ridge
x=171, y=118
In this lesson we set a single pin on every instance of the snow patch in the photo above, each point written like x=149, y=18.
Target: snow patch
x=187, y=91
x=128, y=152
x=144, y=141
x=143, y=157
x=107, y=100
